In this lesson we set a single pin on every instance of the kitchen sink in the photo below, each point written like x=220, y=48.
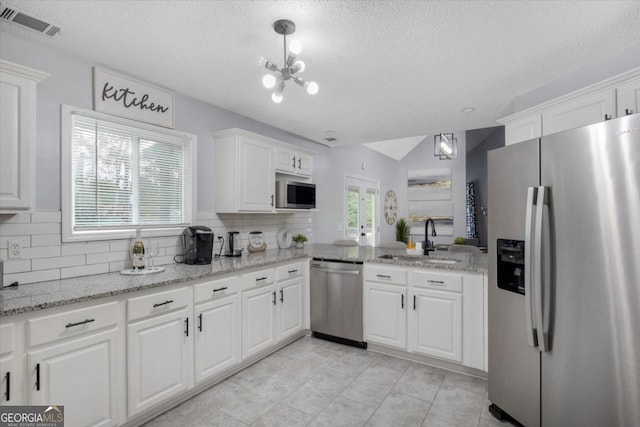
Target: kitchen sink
x=419, y=259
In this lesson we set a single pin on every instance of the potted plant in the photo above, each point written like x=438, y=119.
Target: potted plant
x=402, y=230
x=299, y=240
x=459, y=241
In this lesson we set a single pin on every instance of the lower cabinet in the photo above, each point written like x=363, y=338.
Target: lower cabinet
x=258, y=320
x=290, y=320
x=385, y=311
x=11, y=376
x=159, y=347
x=75, y=360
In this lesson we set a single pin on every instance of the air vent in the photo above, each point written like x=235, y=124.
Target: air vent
x=26, y=21
x=331, y=139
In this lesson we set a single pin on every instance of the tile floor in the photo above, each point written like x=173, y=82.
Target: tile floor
x=313, y=382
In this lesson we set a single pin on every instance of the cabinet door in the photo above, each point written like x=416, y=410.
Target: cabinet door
x=257, y=176
x=628, y=96
x=83, y=375
x=586, y=110
x=290, y=309
x=11, y=380
x=258, y=320
x=304, y=164
x=385, y=315
x=217, y=336
x=435, y=324
x=523, y=129
x=286, y=161
x=160, y=358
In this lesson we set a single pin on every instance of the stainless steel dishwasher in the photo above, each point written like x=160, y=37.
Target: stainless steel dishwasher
x=336, y=301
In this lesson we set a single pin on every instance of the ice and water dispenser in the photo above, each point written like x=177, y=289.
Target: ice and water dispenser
x=511, y=265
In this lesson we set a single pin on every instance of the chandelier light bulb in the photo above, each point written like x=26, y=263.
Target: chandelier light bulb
x=295, y=47
x=269, y=81
x=312, y=88
x=298, y=66
x=277, y=97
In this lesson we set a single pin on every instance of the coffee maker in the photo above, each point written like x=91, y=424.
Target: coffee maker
x=232, y=244
x=197, y=244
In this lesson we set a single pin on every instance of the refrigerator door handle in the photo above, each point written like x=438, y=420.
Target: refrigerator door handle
x=528, y=267
x=541, y=207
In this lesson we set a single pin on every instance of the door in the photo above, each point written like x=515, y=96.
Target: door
x=217, y=336
x=290, y=308
x=386, y=314
x=514, y=366
x=160, y=359
x=258, y=320
x=82, y=375
x=435, y=324
x=591, y=371
x=361, y=210
x=582, y=111
x=257, y=176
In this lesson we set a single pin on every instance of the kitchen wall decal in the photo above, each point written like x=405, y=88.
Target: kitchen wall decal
x=429, y=195
x=126, y=97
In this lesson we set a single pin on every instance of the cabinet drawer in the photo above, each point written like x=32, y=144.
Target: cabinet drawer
x=431, y=280
x=290, y=271
x=158, y=303
x=216, y=289
x=59, y=326
x=385, y=274
x=258, y=279
x=6, y=338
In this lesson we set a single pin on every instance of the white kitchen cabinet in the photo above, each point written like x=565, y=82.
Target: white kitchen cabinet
x=585, y=110
x=290, y=320
x=17, y=137
x=292, y=162
x=244, y=172
x=217, y=328
x=628, y=95
x=75, y=359
x=160, y=347
x=258, y=320
x=11, y=372
x=385, y=314
x=523, y=129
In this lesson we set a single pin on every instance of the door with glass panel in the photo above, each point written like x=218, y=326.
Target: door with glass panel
x=361, y=209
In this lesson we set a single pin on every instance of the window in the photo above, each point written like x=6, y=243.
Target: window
x=361, y=205
x=119, y=175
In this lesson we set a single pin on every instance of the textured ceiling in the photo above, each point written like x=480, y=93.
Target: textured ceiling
x=386, y=69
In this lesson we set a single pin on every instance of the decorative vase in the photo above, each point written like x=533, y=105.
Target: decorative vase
x=299, y=245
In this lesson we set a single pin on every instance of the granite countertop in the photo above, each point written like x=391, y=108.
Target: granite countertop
x=38, y=296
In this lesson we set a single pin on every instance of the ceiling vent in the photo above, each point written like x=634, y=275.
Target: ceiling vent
x=24, y=20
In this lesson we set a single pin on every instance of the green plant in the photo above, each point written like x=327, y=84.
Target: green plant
x=402, y=230
x=459, y=240
x=299, y=238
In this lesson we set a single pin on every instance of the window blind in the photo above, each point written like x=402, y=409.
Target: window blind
x=124, y=176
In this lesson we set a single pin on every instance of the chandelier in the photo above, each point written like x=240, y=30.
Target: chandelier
x=445, y=146
x=290, y=67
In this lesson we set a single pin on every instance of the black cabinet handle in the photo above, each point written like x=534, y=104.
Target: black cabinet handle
x=38, y=377
x=294, y=162
x=382, y=276
x=7, y=393
x=84, y=322
x=274, y=297
x=299, y=163
x=220, y=289
x=169, y=301
x=627, y=111
x=272, y=200
x=282, y=295
x=607, y=117
x=402, y=301
x=200, y=322
x=186, y=326
x=259, y=279
x=414, y=303
x=292, y=271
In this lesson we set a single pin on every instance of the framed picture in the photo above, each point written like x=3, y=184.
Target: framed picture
x=429, y=196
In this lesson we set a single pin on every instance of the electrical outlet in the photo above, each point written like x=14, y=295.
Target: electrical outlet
x=14, y=249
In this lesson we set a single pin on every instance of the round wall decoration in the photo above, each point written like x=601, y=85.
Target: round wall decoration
x=390, y=207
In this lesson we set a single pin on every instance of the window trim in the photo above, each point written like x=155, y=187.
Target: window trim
x=66, y=191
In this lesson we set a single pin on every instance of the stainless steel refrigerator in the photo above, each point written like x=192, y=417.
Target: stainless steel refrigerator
x=564, y=277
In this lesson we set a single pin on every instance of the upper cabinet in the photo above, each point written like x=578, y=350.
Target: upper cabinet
x=17, y=137
x=612, y=98
x=246, y=165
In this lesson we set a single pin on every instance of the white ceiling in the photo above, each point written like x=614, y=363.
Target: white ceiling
x=386, y=69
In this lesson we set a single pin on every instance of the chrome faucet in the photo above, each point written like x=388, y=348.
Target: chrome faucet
x=428, y=244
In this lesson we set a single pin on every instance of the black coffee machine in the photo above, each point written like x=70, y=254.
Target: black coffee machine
x=197, y=244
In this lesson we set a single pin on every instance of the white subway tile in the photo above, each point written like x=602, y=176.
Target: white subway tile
x=3, y=254
x=84, y=248
x=22, y=218
x=97, y=258
x=33, y=276
x=17, y=266
x=118, y=266
x=120, y=245
x=85, y=270
x=41, y=252
x=29, y=229
x=46, y=240
x=46, y=216
x=57, y=262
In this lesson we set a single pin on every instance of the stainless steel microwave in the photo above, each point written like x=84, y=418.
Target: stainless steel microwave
x=295, y=195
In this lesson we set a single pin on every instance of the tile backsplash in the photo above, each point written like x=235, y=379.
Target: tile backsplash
x=45, y=257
